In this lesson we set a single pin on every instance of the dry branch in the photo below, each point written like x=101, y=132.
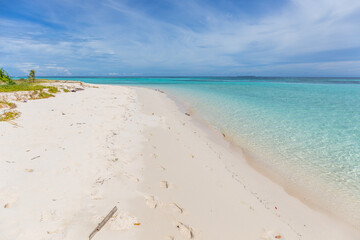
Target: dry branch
x=103, y=222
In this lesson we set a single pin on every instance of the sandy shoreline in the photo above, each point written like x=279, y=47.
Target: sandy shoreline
x=76, y=156
x=297, y=191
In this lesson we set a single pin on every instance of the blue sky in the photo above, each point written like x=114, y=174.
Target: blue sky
x=186, y=37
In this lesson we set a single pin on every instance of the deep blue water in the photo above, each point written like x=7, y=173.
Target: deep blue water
x=304, y=130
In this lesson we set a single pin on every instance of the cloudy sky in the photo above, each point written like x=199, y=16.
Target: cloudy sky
x=180, y=37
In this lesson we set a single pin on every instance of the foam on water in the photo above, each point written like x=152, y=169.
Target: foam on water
x=305, y=130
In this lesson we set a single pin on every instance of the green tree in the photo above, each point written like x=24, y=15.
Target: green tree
x=5, y=77
x=31, y=76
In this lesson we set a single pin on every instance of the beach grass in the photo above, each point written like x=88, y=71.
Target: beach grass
x=43, y=94
x=24, y=86
x=7, y=104
x=52, y=89
x=8, y=116
x=21, y=87
x=40, y=95
x=24, y=80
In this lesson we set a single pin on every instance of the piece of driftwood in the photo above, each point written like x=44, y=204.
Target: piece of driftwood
x=35, y=157
x=103, y=222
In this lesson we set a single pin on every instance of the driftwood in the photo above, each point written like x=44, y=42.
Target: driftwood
x=103, y=222
x=35, y=157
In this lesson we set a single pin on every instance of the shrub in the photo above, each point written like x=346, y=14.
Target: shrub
x=52, y=89
x=7, y=104
x=40, y=95
x=5, y=77
x=43, y=94
x=8, y=116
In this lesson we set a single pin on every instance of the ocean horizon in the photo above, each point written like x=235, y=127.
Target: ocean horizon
x=303, y=130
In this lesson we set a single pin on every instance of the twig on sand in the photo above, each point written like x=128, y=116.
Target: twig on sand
x=35, y=157
x=103, y=222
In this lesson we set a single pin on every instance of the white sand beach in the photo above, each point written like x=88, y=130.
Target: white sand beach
x=68, y=160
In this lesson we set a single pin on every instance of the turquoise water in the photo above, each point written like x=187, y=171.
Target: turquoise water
x=306, y=131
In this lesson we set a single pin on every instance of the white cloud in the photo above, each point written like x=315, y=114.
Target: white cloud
x=111, y=36
x=25, y=68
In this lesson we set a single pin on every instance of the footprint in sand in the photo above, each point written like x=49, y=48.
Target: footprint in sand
x=49, y=215
x=152, y=202
x=131, y=177
x=164, y=184
x=96, y=194
x=53, y=223
x=162, y=168
x=271, y=235
x=175, y=208
x=184, y=230
x=167, y=185
x=8, y=199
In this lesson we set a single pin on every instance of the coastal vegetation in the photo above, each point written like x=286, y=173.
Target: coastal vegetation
x=20, y=87
x=30, y=84
x=52, y=89
x=5, y=77
x=8, y=84
x=31, y=76
x=7, y=104
x=40, y=95
x=24, y=89
x=8, y=116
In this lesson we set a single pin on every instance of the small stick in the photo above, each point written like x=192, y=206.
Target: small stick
x=103, y=222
